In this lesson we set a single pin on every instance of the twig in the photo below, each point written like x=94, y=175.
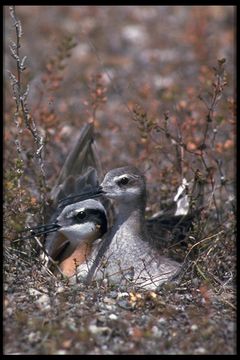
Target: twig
x=20, y=97
x=201, y=241
x=228, y=303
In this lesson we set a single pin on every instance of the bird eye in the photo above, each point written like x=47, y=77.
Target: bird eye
x=81, y=215
x=123, y=181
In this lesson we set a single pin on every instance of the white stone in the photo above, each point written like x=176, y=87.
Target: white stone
x=113, y=317
x=156, y=332
x=200, y=350
x=61, y=352
x=43, y=302
x=34, y=292
x=162, y=320
x=123, y=294
x=97, y=329
x=60, y=289
x=194, y=327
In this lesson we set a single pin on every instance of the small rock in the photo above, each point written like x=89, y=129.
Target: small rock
x=124, y=304
x=195, y=282
x=61, y=352
x=43, y=302
x=108, y=300
x=66, y=130
x=34, y=292
x=194, y=327
x=113, y=317
x=113, y=294
x=98, y=329
x=105, y=281
x=9, y=311
x=203, y=301
x=200, y=350
x=101, y=319
x=179, y=307
x=67, y=343
x=60, y=289
x=71, y=324
x=123, y=294
x=34, y=337
x=153, y=295
x=231, y=326
x=162, y=320
x=156, y=332
x=188, y=297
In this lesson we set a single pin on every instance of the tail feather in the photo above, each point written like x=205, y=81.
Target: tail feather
x=82, y=156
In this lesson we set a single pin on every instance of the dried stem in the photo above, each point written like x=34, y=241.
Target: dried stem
x=20, y=96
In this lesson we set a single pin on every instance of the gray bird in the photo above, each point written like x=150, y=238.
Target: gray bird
x=74, y=220
x=126, y=250
x=79, y=226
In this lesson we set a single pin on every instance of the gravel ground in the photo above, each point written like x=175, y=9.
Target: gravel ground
x=43, y=315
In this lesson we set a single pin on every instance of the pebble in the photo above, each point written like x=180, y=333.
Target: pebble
x=200, y=350
x=34, y=337
x=194, y=327
x=113, y=294
x=43, y=302
x=123, y=294
x=61, y=352
x=108, y=300
x=162, y=320
x=113, y=317
x=231, y=326
x=60, y=289
x=188, y=297
x=124, y=304
x=156, y=331
x=9, y=311
x=34, y=292
x=71, y=324
x=105, y=281
x=195, y=282
x=98, y=329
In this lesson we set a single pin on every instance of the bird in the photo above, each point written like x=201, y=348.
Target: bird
x=129, y=188
x=69, y=200
x=79, y=181
x=76, y=219
x=126, y=249
x=79, y=226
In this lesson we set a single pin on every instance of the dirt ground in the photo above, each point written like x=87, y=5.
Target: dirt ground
x=44, y=316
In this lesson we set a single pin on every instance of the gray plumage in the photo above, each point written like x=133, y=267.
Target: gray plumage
x=127, y=253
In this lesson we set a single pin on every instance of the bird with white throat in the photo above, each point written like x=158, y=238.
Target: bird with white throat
x=126, y=247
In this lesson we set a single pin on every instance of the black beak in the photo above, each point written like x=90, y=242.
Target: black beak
x=80, y=197
x=101, y=189
x=39, y=230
